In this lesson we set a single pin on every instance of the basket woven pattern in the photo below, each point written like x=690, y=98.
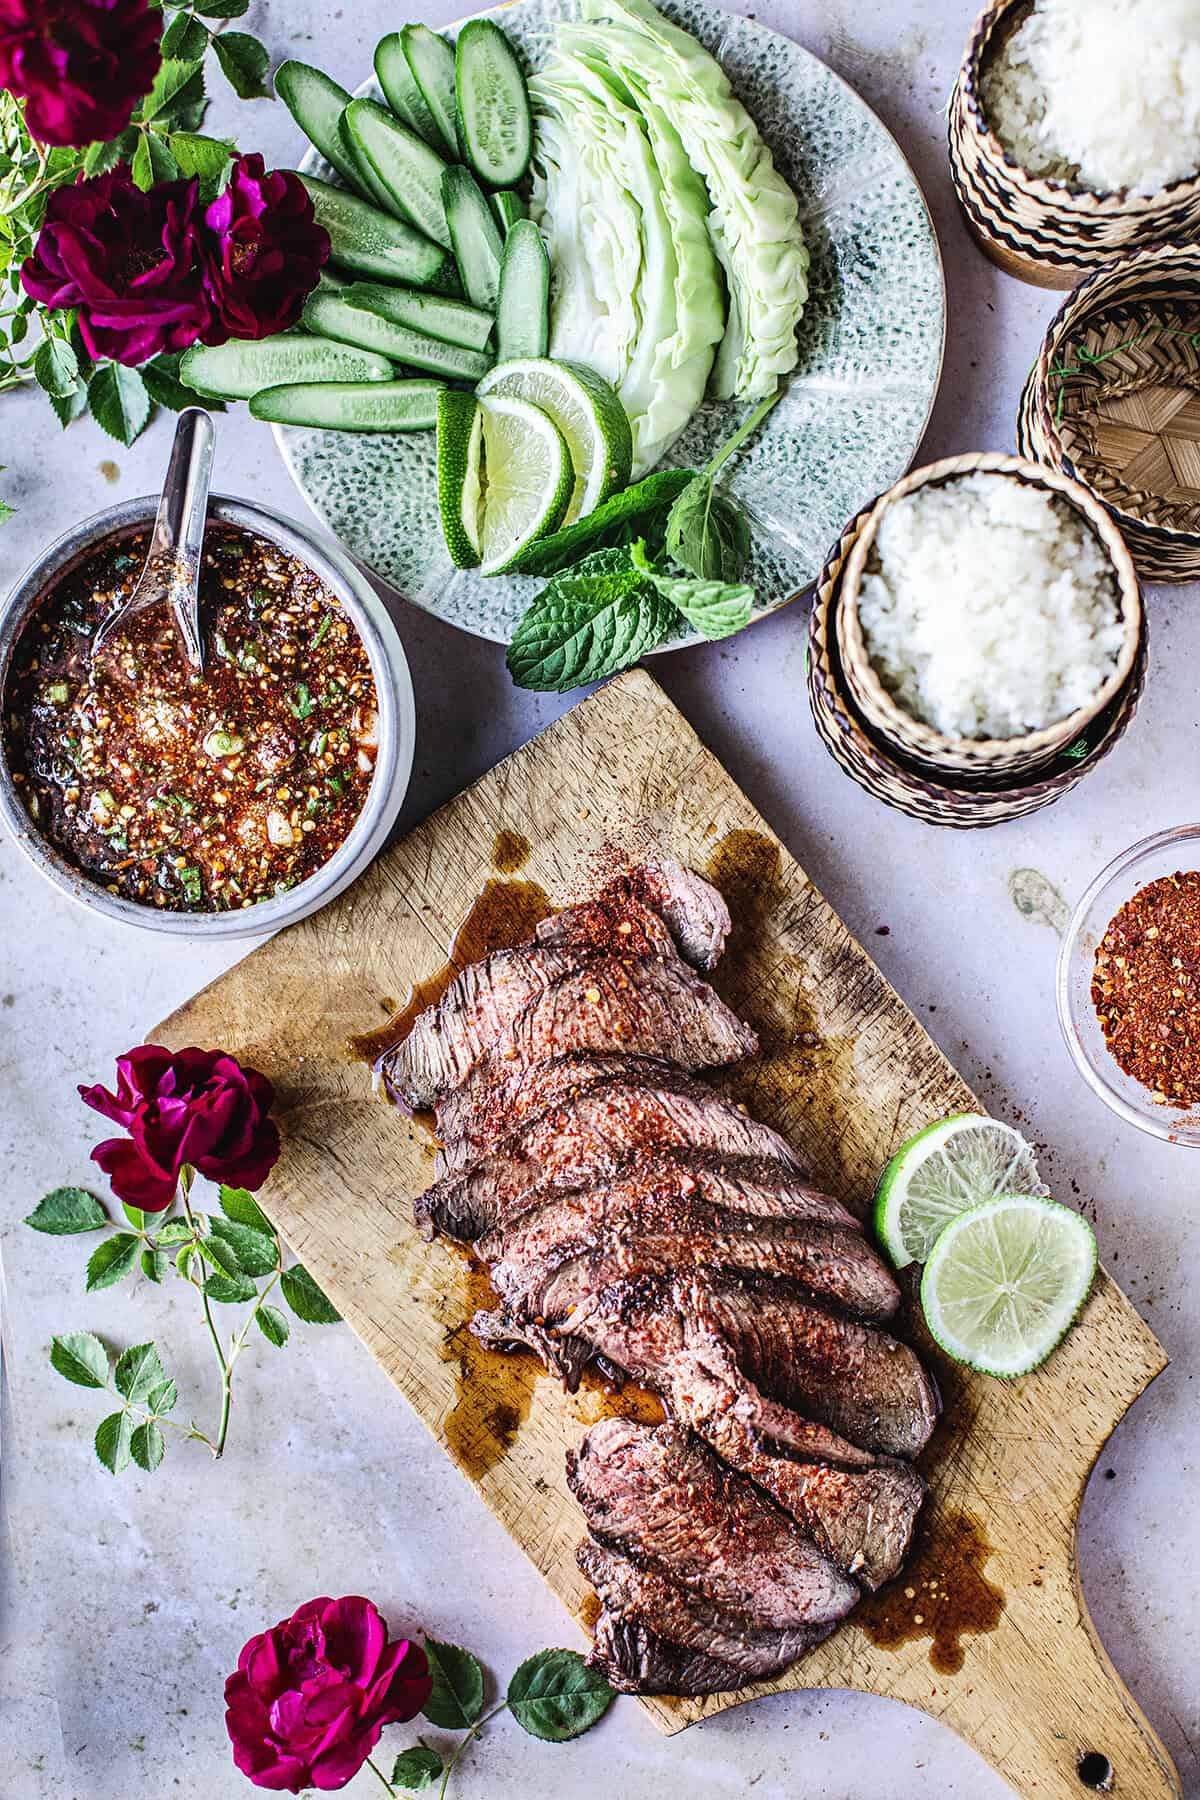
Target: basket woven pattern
x=959, y=805
x=1044, y=231
x=1114, y=400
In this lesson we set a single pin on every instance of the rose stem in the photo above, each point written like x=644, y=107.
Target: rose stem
x=185, y=1182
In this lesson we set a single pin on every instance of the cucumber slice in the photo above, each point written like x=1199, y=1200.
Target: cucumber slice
x=365, y=180
x=431, y=63
x=351, y=406
x=494, y=124
x=460, y=490
x=317, y=102
x=369, y=242
x=451, y=320
x=475, y=237
x=523, y=308
x=240, y=368
x=401, y=91
x=405, y=169
x=336, y=318
x=508, y=208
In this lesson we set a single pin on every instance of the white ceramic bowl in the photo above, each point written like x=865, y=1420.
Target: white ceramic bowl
x=397, y=721
x=1163, y=854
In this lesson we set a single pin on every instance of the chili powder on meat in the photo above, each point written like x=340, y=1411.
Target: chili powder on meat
x=1146, y=988
x=185, y=791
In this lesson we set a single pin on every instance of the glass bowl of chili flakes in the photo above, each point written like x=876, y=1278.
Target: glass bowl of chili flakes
x=1128, y=985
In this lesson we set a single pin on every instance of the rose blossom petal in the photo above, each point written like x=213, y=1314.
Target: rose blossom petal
x=133, y=1179
x=355, y=1636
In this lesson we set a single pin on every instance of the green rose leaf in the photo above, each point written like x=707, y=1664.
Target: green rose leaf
x=174, y=88
x=457, y=1698
x=147, y=1445
x=416, y=1769
x=221, y=1255
x=175, y=1231
x=66, y=1210
x=202, y=156
x=111, y=1260
x=554, y=1695
x=185, y=38
x=80, y=1357
x=162, y=1398
x=222, y=9
x=184, y=1260
x=230, y=1290
x=152, y=161
x=257, y=1251
x=99, y=159
x=135, y=1215
x=273, y=1325
x=245, y=63
x=113, y=1436
x=305, y=1297
x=119, y=402
x=154, y=1265
x=138, y=1372
x=240, y=1205
x=56, y=368
x=71, y=407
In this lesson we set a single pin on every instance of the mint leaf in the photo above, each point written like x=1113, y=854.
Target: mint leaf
x=112, y=1259
x=202, y=156
x=147, y=1445
x=637, y=511
x=240, y=1205
x=416, y=1769
x=599, y=617
x=80, y=1357
x=256, y=1251
x=152, y=161
x=113, y=1437
x=138, y=1372
x=716, y=608
x=245, y=62
x=305, y=1297
x=67, y=1210
x=273, y=1325
x=555, y=1695
x=230, y=1290
x=708, y=533
x=154, y=1265
x=162, y=1398
x=185, y=38
x=119, y=402
x=56, y=368
x=457, y=1698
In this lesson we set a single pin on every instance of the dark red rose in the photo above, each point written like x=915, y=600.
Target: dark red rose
x=81, y=66
x=130, y=263
x=312, y=1695
x=264, y=251
x=184, y=1106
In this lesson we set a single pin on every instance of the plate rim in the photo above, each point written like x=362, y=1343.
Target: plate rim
x=687, y=640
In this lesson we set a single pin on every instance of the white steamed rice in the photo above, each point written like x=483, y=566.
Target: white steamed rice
x=990, y=609
x=1103, y=95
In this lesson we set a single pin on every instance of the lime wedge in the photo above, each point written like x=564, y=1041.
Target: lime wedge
x=528, y=479
x=1005, y=1282
x=587, y=412
x=949, y=1166
x=460, y=494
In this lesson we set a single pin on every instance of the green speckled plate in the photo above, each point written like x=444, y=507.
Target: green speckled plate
x=870, y=351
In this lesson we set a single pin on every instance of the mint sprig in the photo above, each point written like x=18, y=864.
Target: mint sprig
x=599, y=617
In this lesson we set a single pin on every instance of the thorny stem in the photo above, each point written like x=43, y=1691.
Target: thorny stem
x=185, y=1182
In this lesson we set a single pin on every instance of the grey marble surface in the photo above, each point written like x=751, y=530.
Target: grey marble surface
x=124, y=1603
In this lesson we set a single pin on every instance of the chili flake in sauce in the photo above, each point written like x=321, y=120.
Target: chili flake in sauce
x=194, y=792
x=1146, y=988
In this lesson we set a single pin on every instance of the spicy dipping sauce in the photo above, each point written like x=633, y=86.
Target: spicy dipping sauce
x=194, y=792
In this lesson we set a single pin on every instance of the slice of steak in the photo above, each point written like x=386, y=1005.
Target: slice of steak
x=663, y=1229
x=629, y=1592
x=467, y=1128
x=581, y=1141
x=694, y=911
x=666, y=1500
x=863, y=1519
x=635, y=1660
x=860, y=1382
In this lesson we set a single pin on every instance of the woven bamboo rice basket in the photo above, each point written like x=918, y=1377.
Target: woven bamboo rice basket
x=1114, y=402
x=1043, y=231
x=966, y=804
x=999, y=760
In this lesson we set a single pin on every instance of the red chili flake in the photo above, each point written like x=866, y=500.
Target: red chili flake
x=1146, y=988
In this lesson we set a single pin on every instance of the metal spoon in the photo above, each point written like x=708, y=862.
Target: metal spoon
x=172, y=570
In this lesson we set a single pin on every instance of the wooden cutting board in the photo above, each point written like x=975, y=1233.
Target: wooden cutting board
x=987, y=1628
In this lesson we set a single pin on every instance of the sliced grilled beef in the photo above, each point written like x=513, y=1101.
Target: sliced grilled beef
x=583, y=1140
x=630, y=1593
x=862, y=1519
x=468, y=1129
x=694, y=911
x=651, y=1220
x=636, y=1660
x=664, y=1498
